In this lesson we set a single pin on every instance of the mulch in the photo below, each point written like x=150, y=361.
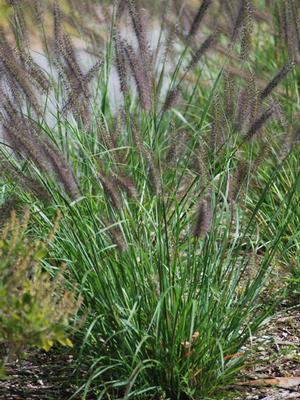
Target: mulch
x=41, y=376
x=274, y=352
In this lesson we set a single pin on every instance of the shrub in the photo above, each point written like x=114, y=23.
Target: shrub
x=34, y=308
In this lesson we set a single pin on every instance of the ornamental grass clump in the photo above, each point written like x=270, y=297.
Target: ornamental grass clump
x=154, y=227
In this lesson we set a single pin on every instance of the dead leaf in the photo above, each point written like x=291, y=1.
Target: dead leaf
x=282, y=382
x=231, y=356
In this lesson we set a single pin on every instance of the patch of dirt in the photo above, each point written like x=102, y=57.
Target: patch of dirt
x=275, y=353
x=43, y=376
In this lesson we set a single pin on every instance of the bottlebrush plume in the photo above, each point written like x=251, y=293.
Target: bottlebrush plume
x=259, y=123
x=199, y=17
x=203, y=220
x=281, y=74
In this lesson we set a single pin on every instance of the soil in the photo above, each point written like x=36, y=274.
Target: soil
x=41, y=376
x=274, y=353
